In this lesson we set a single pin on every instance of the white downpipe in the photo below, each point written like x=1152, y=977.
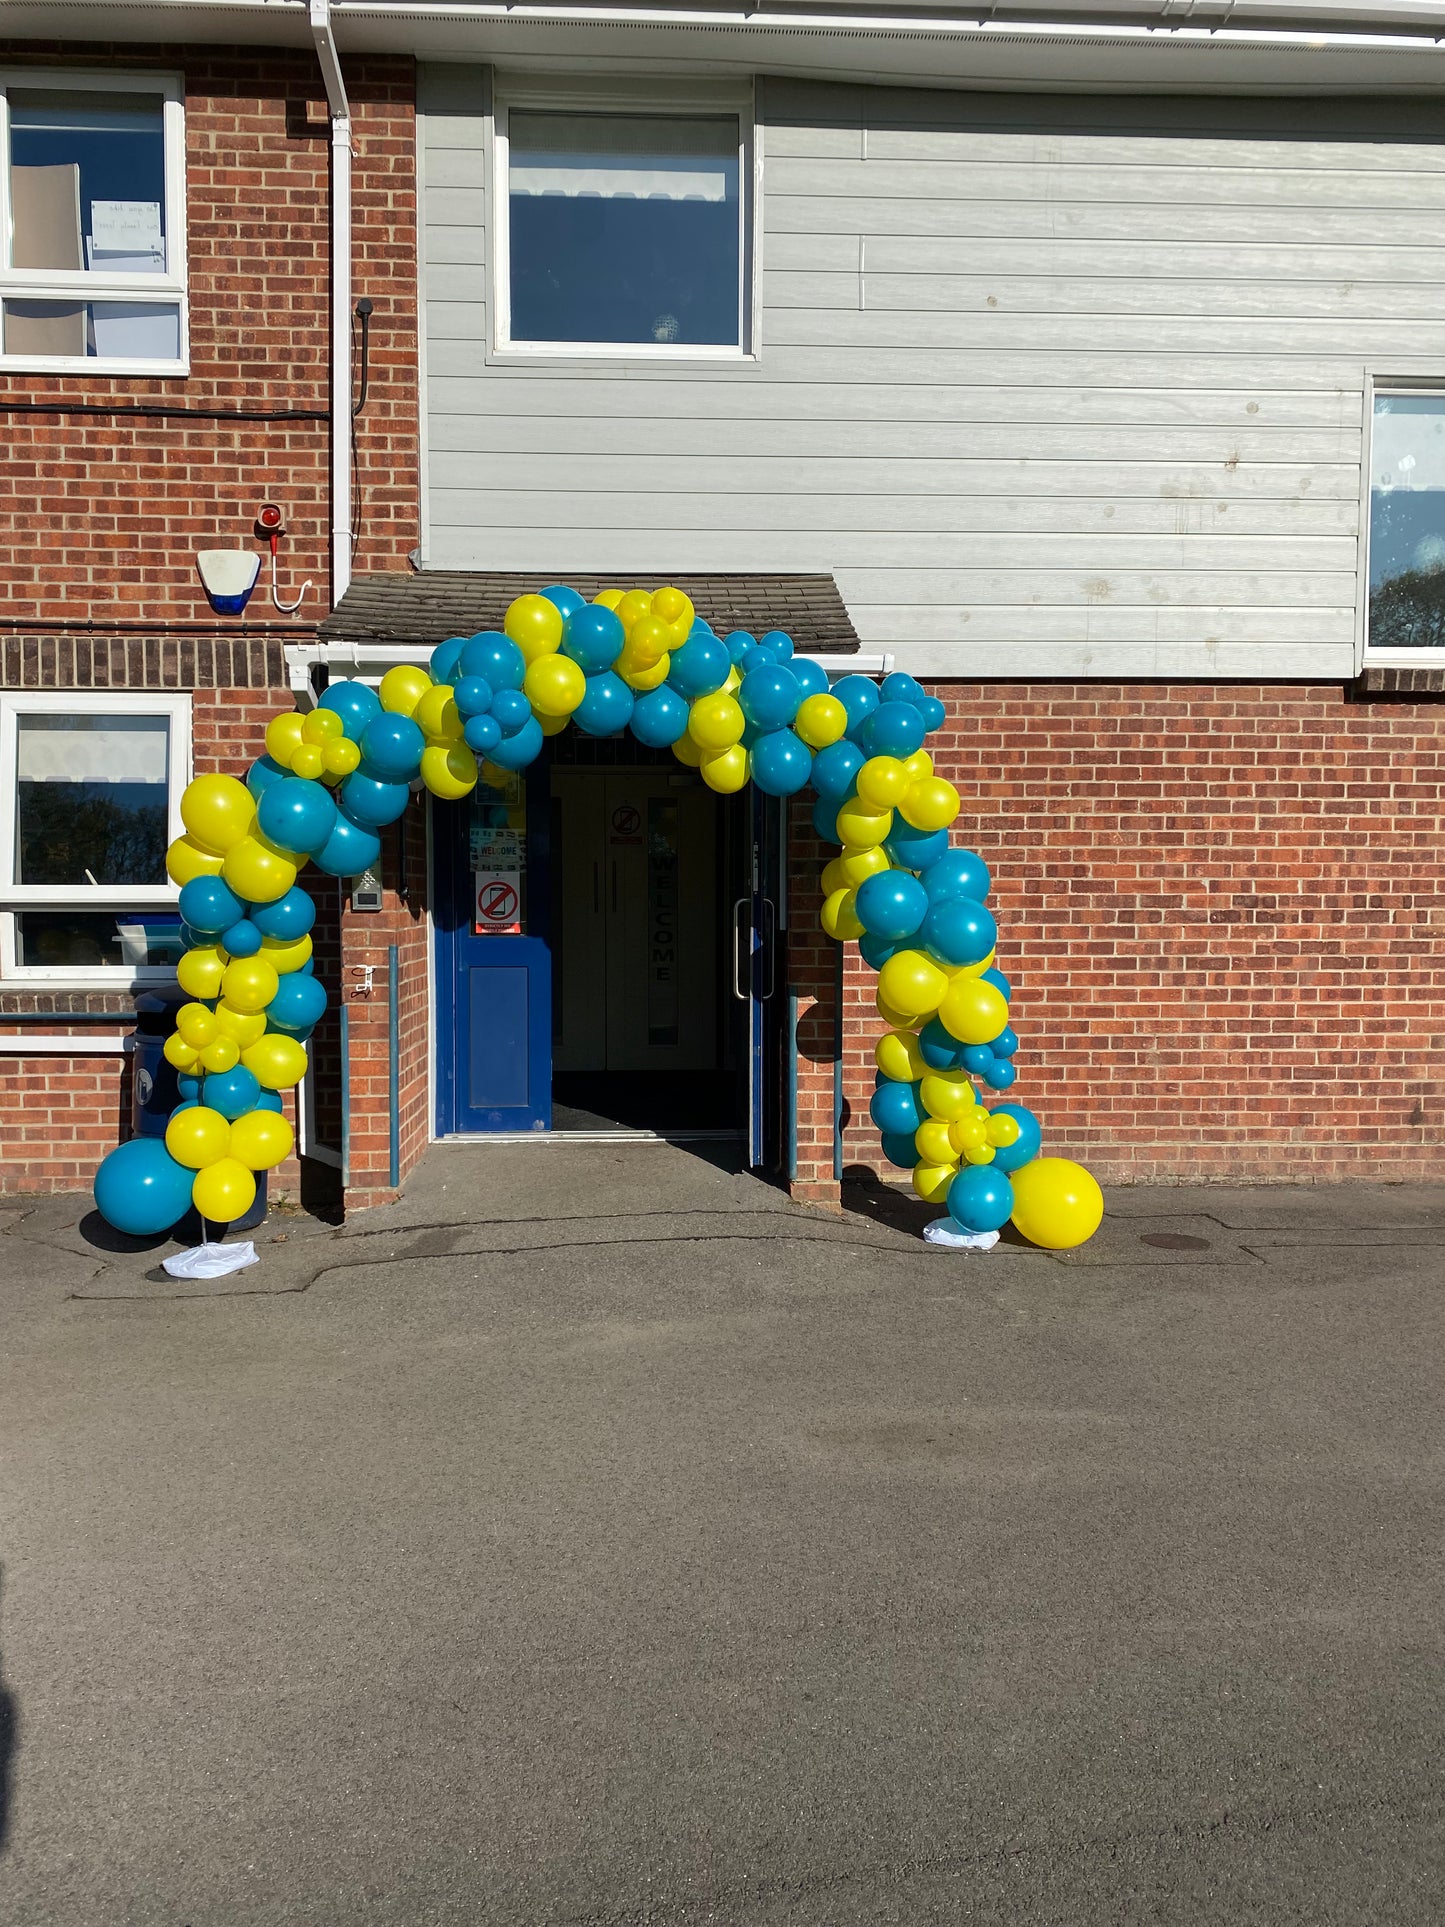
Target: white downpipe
x=340, y=111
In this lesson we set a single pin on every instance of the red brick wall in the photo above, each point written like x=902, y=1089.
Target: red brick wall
x=1221, y=914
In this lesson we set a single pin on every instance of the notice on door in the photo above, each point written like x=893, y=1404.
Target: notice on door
x=499, y=903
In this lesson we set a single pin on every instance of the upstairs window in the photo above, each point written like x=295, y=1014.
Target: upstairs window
x=1407, y=523
x=623, y=232
x=93, y=192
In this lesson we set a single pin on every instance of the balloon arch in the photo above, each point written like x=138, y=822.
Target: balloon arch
x=737, y=708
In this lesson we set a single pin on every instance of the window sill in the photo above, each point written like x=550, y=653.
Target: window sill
x=87, y=365
x=547, y=354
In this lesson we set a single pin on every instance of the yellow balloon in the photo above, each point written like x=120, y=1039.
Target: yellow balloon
x=1002, y=1129
x=257, y=870
x=912, y=981
x=244, y=1026
x=833, y=878
x=727, y=771
x=608, y=598
x=321, y=726
x=261, y=1140
x=861, y=826
x=687, y=752
x=554, y=685
x=946, y=1097
x=196, y=1137
x=933, y=1144
x=928, y=803
x=224, y=1191
x=275, y=1061
x=199, y=971
x=186, y=859
x=895, y=1019
x=839, y=916
x=552, y=725
x=931, y=1181
x=1057, y=1203
x=449, y=773
x=177, y=1051
x=920, y=763
x=437, y=714
x=644, y=679
x=715, y=723
x=217, y=810
x=821, y=720
x=403, y=687
x=309, y=762
x=671, y=605
x=221, y=1054
x=284, y=737
x=897, y=1055
x=973, y=969
x=196, y=1023
x=249, y=983
x=535, y=625
x=972, y=1011
x=882, y=782
x=339, y=758
x=979, y=1154
x=648, y=641
x=285, y=954
x=734, y=681
x=632, y=606
x=968, y=1130
x=858, y=864
x=493, y=775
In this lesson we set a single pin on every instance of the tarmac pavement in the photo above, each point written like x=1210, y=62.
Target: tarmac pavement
x=597, y=1537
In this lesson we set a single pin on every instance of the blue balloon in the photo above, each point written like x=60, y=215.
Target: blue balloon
x=354, y=703
x=825, y=816
x=941, y=1051
x=977, y=1058
x=781, y=643
x=958, y=930
x=981, y=1198
x=958, y=873
x=299, y=1002
x=606, y=706
x=496, y=657
x=371, y=803
x=736, y=641
x=659, y=717
x=781, y=763
x=1005, y=1044
x=391, y=748
x=812, y=677
x=232, y=1092
x=593, y=637
x=859, y=697
x=481, y=734
x=515, y=752
x=899, y=688
x=445, y=657
x=913, y=849
x=472, y=696
x=209, y=904
x=700, y=667
x=770, y=697
x=897, y=1108
x=141, y=1189
x=899, y=1149
x=835, y=770
x=288, y=918
x=993, y=975
x=262, y=774
x=566, y=601
x=891, y=904
x=298, y=814
x=933, y=712
x=1000, y=1074
x=755, y=658
x=350, y=849
x=243, y=939
x=189, y=1088
x=270, y=1101
x=1013, y=1157
x=875, y=952
x=894, y=729
x=512, y=710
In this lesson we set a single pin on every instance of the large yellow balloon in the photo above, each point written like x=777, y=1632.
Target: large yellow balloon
x=928, y=803
x=177, y=1051
x=861, y=826
x=321, y=726
x=249, y=983
x=833, y=878
x=196, y=1137
x=726, y=771
x=931, y=1181
x=217, y=810
x=946, y=1097
x=1057, y=1203
x=898, y=1055
x=673, y=606
x=224, y=1191
x=261, y=1140
x=285, y=955
x=437, y=714
x=554, y=685
x=715, y=723
x=284, y=736
x=839, y=916
x=821, y=720
x=933, y=1144
x=403, y=687
x=920, y=763
x=608, y=598
x=199, y=971
x=257, y=870
x=883, y=782
x=632, y=607
x=196, y=1024
x=643, y=679
x=535, y=625
x=275, y=1061
x=449, y=773
x=912, y=981
x=244, y=1026
x=186, y=859
x=221, y=1054
x=648, y=641
x=858, y=864
x=972, y=1011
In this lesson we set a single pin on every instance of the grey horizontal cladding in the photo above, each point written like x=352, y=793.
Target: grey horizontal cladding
x=453, y=247
x=455, y=170
x=1058, y=154
x=971, y=216
x=940, y=624
x=1121, y=334
x=1252, y=659
x=1072, y=258
x=455, y=207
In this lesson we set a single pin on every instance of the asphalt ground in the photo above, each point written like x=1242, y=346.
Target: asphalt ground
x=595, y=1537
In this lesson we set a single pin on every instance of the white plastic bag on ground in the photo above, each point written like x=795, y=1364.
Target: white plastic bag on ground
x=211, y=1261
x=944, y=1231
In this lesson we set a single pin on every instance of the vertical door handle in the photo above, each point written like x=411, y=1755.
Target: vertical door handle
x=739, y=990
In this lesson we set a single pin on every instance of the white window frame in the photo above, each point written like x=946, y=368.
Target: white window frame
x=683, y=99
x=176, y=709
x=30, y=284
x=1368, y=654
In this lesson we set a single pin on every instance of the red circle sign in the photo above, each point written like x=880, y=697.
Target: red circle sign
x=496, y=902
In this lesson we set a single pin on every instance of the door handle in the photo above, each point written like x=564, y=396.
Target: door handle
x=770, y=945
x=739, y=991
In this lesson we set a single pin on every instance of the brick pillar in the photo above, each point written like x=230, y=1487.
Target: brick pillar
x=812, y=975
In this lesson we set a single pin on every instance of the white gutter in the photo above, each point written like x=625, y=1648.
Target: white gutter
x=340, y=110
x=369, y=662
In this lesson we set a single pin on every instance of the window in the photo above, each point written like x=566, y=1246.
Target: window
x=89, y=793
x=92, y=217
x=1407, y=523
x=623, y=231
